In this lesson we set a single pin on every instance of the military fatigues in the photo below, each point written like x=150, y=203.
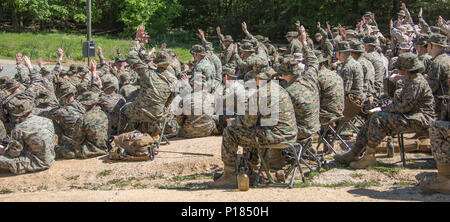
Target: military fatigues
x=325, y=45
x=379, y=67
x=440, y=141
x=438, y=74
x=352, y=75
x=247, y=130
x=332, y=100
x=111, y=105
x=31, y=148
x=197, y=118
x=369, y=76
x=21, y=76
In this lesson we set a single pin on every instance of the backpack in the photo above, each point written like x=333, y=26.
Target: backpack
x=133, y=146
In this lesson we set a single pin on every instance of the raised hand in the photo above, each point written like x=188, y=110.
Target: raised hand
x=218, y=30
x=441, y=21
x=318, y=25
x=152, y=51
x=93, y=67
x=244, y=27
x=40, y=63
x=19, y=57
x=99, y=51
x=235, y=50
x=391, y=24
x=27, y=62
x=328, y=27
x=201, y=34
x=1, y=68
x=403, y=6
x=420, y=12
x=302, y=37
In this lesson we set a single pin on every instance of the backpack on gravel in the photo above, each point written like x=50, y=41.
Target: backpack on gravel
x=133, y=146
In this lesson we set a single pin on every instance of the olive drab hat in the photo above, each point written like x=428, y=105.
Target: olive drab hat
x=335, y=30
x=162, y=58
x=67, y=89
x=368, y=14
x=409, y=62
x=88, y=98
x=438, y=39
x=109, y=81
x=20, y=107
x=266, y=39
x=343, y=46
x=288, y=65
x=405, y=46
x=228, y=70
x=421, y=40
x=264, y=72
x=319, y=56
x=357, y=46
x=247, y=47
x=402, y=13
x=124, y=78
x=198, y=49
x=291, y=34
x=370, y=40
x=228, y=38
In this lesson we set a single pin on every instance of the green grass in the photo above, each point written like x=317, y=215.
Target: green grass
x=363, y=184
x=44, y=45
x=104, y=173
x=73, y=177
x=119, y=183
x=6, y=191
x=386, y=170
x=191, y=177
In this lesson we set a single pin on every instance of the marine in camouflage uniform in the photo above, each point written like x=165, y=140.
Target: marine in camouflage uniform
x=414, y=111
x=249, y=132
x=304, y=97
x=204, y=67
x=91, y=135
x=250, y=59
x=294, y=45
x=439, y=71
x=358, y=52
x=214, y=60
x=196, y=119
x=271, y=50
x=32, y=144
x=421, y=42
x=21, y=76
x=377, y=62
x=67, y=117
x=331, y=91
x=127, y=90
x=325, y=44
x=226, y=56
x=111, y=102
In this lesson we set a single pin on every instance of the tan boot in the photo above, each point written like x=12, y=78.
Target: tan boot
x=227, y=180
x=367, y=160
x=442, y=183
x=347, y=157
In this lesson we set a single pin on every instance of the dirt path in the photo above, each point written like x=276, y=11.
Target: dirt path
x=182, y=169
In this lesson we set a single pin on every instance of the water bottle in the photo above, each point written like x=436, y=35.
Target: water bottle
x=243, y=180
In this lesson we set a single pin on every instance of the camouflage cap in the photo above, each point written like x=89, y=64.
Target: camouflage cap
x=409, y=28
x=343, y=46
x=288, y=65
x=162, y=58
x=82, y=69
x=350, y=32
x=282, y=49
x=64, y=72
x=335, y=29
x=438, y=39
x=409, y=62
x=109, y=81
x=88, y=98
x=405, y=46
x=228, y=38
x=298, y=56
x=120, y=59
x=20, y=107
x=374, y=28
x=402, y=13
x=370, y=40
x=264, y=73
x=198, y=49
x=67, y=89
x=247, y=47
x=291, y=34
x=229, y=70
x=209, y=47
x=133, y=58
x=44, y=71
x=317, y=35
x=367, y=14
x=319, y=55
x=357, y=46
x=4, y=80
x=171, y=52
x=146, y=57
x=73, y=67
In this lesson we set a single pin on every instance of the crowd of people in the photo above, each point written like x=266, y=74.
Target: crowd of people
x=396, y=85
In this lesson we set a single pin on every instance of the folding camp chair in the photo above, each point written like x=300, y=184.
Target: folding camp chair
x=330, y=134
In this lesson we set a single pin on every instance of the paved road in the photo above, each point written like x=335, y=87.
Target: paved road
x=9, y=67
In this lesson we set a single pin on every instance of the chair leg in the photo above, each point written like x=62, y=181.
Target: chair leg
x=161, y=136
x=298, y=157
x=401, y=148
x=336, y=134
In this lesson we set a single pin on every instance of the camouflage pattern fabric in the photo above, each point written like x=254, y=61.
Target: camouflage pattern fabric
x=3, y=132
x=426, y=60
x=22, y=76
x=331, y=87
x=325, y=44
x=247, y=132
x=379, y=67
x=368, y=76
x=413, y=112
x=205, y=68
x=31, y=148
x=215, y=60
x=352, y=75
x=438, y=74
x=199, y=122
x=91, y=135
x=294, y=47
x=129, y=92
x=440, y=141
x=111, y=105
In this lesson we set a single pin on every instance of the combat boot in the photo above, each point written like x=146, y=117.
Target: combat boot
x=227, y=180
x=442, y=183
x=347, y=157
x=368, y=159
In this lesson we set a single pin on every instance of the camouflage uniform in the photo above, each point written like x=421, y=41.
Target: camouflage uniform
x=351, y=73
x=204, y=67
x=439, y=72
x=197, y=119
x=413, y=112
x=304, y=97
x=111, y=103
x=128, y=91
x=331, y=91
x=367, y=67
x=440, y=141
x=325, y=44
x=32, y=143
x=377, y=63
x=92, y=132
x=226, y=57
x=247, y=131
x=214, y=60
x=21, y=76
x=294, y=46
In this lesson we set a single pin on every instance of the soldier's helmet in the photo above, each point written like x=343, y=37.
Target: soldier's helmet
x=228, y=38
x=247, y=46
x=109, y=81
x=356, y=46
x=20, y=107
x=162, y=58
x=291, y=34
x=67, y=89
x=402, y=13
x=438, y=39
x=343, y=46
x=319, y=55
x=370, y=40
x=88, y=98
x=409, y=62
x=198, y=49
